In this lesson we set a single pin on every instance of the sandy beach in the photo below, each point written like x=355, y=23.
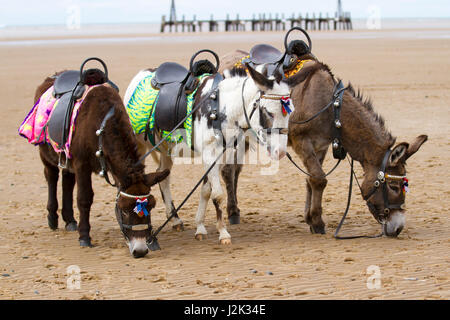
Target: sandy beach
x=273, y=254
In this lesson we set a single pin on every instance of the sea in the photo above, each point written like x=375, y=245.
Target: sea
x=414, y=28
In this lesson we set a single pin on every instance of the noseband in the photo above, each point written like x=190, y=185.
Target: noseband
x=381, y=181
x=257, y=105
x=135, y=227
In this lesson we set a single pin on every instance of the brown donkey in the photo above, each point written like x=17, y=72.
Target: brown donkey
x=363, y=136
x=119, y=156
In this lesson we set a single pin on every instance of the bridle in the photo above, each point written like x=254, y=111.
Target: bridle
x=257, y=106
x=381, y=181
x=340, y=153
x=136, y=227
x=104, y=173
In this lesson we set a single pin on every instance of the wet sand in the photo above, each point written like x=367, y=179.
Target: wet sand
x=273, y=255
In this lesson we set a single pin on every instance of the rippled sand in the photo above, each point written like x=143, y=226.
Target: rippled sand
x=273, y=255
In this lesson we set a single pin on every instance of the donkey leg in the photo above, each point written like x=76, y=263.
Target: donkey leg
x=308, y=198
x=217, y=196
x=315, y=185
x=68, y=184
x=164, y=186
x=230, y=175
x=205, y=194
x=85, y=197
x=51, y=175
x=237, y=172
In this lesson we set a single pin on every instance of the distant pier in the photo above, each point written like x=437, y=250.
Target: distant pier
x=262, y=22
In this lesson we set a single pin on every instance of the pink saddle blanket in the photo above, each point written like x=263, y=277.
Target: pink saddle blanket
x=33, y=127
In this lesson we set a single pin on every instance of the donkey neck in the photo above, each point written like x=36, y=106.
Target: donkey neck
x=237, y=93
x=365, y=136
x=120, y=149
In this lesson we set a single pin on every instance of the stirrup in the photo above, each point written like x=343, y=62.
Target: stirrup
x=60, y=165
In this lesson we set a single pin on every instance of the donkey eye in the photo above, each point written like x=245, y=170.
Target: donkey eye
x=394, y=187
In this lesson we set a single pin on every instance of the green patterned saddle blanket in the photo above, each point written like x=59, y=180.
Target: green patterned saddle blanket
x=140, y=110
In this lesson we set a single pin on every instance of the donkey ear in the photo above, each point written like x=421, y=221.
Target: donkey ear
x=261, y=81
x=415, y=146
x=155, y=177
x=398, y=154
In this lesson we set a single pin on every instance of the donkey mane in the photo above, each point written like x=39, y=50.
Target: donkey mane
x=120, y=147
x=122, y=132
x=238, y=72
x=365, y=102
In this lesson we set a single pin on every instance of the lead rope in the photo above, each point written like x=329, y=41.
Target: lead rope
x=352, y=173
x=288, y=155
x=153, y=241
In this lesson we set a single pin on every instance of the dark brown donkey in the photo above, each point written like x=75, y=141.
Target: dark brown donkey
x=363, y=135
x=119, y=155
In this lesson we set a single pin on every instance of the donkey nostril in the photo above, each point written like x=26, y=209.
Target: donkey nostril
x=139, y=253
x=398, y=230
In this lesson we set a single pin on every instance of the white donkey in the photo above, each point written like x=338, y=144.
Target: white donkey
x=246, y=101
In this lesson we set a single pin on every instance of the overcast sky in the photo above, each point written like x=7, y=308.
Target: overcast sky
x=36, y=12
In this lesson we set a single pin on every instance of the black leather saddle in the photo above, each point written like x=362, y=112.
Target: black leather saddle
x=174, y=83
x=69, y=87
x=274, y=60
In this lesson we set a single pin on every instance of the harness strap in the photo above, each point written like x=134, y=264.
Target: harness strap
x=338, y=150
x=104, y=171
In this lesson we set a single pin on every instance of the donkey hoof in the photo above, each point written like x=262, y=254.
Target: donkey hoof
x=317, y=229
x=234, y=219
x=200, y=236
x=52, y=222
x=86, y=243
x=178, y=227
x=71, y=226
x=226, y=241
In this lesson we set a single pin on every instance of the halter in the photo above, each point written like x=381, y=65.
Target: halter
x=135, y=227
x=381, y=180
x=257, y=105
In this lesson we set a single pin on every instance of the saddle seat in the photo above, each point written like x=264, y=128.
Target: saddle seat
x=174, y=83
x=264, y=53
x=69, y=87
x=275, y=61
